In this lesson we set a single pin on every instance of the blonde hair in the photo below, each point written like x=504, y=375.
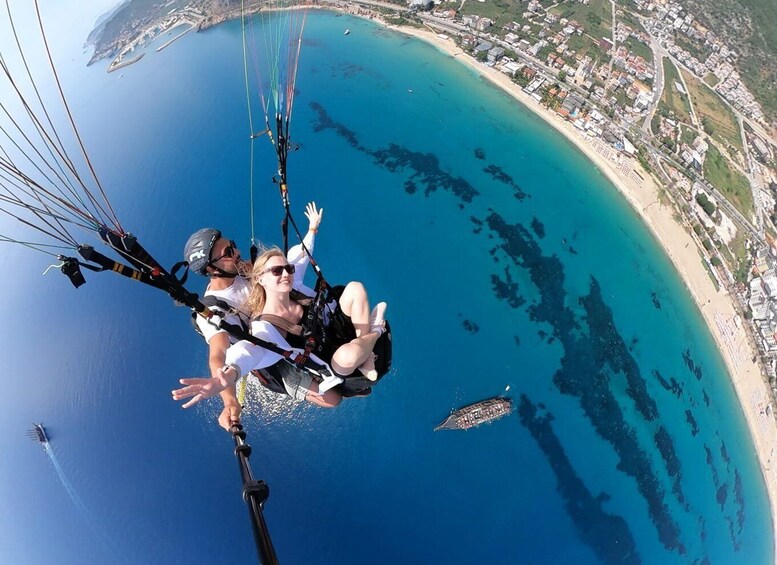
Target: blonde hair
x=257, y=298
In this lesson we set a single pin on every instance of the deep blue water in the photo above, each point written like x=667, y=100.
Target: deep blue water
x=506, y=259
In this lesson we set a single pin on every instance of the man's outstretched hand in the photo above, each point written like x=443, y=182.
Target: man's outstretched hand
x=201, y=388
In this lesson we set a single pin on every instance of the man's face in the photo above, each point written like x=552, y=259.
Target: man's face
x=225, y=255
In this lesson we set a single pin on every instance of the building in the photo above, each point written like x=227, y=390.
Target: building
x=424, y=5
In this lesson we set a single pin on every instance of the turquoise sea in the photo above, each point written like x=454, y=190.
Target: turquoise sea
x=506, y=258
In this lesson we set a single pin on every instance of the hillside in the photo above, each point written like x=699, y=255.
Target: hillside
x=749, y=27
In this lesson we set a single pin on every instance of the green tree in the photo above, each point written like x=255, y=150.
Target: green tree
x=707, y=124
x=705, y=204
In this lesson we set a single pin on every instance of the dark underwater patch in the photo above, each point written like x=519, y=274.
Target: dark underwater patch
x=702, y=528
x=507, y=290
x=732, y=534
x=692, y=421
x=350, y=70
x=724, y=453
x=656, y=301
x=739, y=499
x=498, y=174
x=665, y=446
x=480, y=154
x=325, y=122
x=692, y=367
x=711, y=465
x=425, y=167
x=590, y=361
x=538, y=228
x=672, y=385
x=611, y=347
x=721, y=494
x=706, y=398
x=607, y=534
x=471, y=326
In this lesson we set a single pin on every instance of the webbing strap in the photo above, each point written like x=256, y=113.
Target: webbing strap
x=159, y=278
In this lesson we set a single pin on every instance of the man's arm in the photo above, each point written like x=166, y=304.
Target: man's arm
x=218, y=345
x=240, y=358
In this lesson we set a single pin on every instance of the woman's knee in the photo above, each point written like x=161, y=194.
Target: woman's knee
x=354, y=290
x=345, y=359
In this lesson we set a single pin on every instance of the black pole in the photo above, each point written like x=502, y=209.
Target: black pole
x=255, y=494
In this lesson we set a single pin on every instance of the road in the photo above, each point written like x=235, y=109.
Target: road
x=751, y=174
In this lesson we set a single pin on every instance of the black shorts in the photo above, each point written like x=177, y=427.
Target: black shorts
x=340, y=329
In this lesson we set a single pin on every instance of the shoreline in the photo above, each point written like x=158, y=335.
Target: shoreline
x=643, y=194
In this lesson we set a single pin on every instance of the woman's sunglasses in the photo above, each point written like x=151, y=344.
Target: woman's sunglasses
x=277, y=271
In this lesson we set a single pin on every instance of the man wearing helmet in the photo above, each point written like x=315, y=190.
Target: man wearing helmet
x=212, y=255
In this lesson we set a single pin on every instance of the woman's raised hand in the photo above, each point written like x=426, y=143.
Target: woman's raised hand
x=314, y=216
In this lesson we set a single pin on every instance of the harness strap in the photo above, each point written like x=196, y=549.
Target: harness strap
x=282, y=323
x=300, y=359
x=300, y=298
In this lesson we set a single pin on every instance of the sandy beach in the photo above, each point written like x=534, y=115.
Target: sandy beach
x=643, y=193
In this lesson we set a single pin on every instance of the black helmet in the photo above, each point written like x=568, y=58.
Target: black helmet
x=198, y=248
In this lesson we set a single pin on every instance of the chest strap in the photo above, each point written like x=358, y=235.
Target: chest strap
x=296, y=329
x=281, y=323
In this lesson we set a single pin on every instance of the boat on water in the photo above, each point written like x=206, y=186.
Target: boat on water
x=347, y=31
x=477, y=414
x=38, y=433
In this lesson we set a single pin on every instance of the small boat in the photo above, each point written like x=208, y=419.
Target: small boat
x=38, y=433
x=476, y=414
x=347, y=31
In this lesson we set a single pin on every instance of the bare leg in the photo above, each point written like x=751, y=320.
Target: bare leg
x=330, y=399
x=354, y=354
x=355, y=304
x=358, y=352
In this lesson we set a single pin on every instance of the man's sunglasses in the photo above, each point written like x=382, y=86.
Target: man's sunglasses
x=229, y=251
x=277, y=271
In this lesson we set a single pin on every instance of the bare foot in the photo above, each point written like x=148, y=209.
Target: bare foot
x=377, y=320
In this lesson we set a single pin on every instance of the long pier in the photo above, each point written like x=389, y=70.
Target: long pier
x=116, y=66
x=177, y=37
